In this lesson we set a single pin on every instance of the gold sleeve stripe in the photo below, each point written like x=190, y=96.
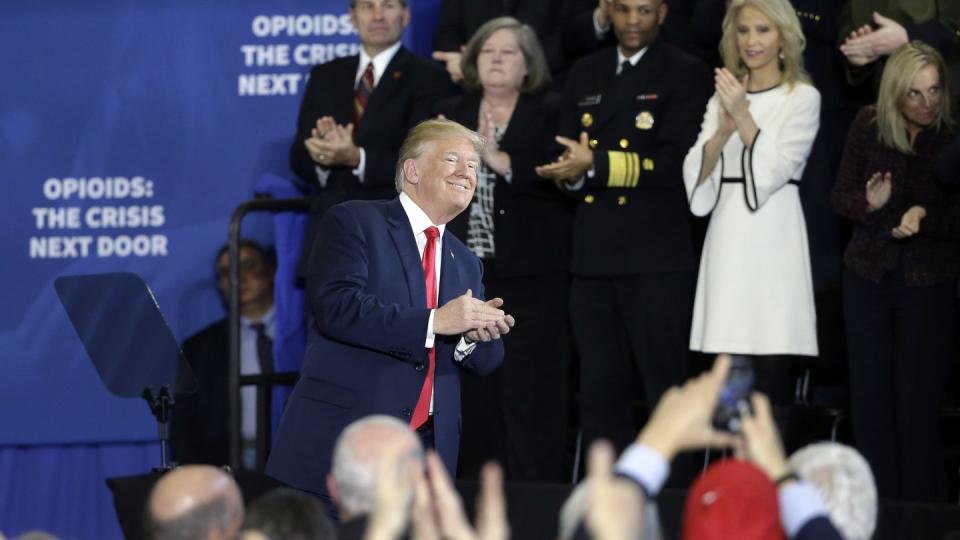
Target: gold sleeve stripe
x=624, y=169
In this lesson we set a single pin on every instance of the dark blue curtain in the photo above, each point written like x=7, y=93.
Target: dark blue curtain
x=60, y=488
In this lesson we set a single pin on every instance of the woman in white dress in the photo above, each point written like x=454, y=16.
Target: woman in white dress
x=755, y=292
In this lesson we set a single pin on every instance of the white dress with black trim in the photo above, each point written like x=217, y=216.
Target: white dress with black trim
x=755, y=289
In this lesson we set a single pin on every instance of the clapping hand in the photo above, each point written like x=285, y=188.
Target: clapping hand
x=331, y=144
x=731, y=92
x=493, y=157
x=864, y=45
x=475, y=319
x=683, y=418
x=575, y=161
x=879, y=187
x=909, y=223
x=451, y=61
x=494, y=330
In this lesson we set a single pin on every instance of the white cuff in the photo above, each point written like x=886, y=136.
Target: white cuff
x=463, y=349
x=645, y=466
x=361, y=167
x=322, y=175
x=577, y=184
x=430, y=335
x=799, y=503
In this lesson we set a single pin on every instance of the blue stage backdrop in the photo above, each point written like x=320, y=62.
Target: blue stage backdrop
x=129, y=130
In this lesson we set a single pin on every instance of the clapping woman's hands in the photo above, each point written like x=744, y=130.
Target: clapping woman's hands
x=878, y=190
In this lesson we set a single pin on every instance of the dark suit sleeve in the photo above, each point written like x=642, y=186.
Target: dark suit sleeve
x=488, y=356
x=337, y=291
x=485, y=358
x=539, y=148
x=849, y=193
x=941, y=34
x=449, y=35
x=578, y=37
x=381, y=161
x=300, y=161
x=819, y=528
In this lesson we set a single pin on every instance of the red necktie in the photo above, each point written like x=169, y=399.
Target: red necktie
x=422, y=411
x=362, y=94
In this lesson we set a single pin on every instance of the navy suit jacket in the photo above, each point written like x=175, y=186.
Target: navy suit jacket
x=365, y=351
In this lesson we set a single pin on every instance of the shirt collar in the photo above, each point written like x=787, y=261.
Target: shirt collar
x=419, y=220
x=633, y=59
x=380, y=62
x=267, y=319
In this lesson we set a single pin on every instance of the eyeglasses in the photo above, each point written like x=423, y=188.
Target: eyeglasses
x=918, y=97
x=248, y=268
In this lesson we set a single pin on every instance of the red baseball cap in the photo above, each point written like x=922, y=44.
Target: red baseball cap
x=732, y=500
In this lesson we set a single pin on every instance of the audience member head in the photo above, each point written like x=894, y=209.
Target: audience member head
x=733, y=499
x=636, y=23
x=194, y=502
x=913, y=95
x=379, y=23
x=357, y=456
x=504, y=53
x=257, y=269
x=33, y=535
x=758, y=33
x=843, y=478
x=287, y=514
x=437, y=167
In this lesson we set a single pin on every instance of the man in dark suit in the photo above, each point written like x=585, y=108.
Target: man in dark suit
x=397, y=312
x=199, y=427
x=356, y=110
x=637, y=109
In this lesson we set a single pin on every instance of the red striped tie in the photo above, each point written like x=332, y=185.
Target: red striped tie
x=362, y=94
x=422, y=411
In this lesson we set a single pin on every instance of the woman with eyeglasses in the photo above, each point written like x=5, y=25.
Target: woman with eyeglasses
x=901, y=269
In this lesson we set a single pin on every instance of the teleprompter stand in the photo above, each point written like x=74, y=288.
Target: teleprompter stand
x=131, y=346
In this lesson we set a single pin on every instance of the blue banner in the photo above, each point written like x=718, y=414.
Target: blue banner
x=129, y=131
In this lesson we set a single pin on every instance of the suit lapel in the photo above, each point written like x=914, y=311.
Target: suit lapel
x=406, y=244
x=607, y=78
x=450, y=282
x=520, y=122
x=343, y=92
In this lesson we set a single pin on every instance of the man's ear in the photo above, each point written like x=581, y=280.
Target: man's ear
x=410, y=173
x=353, y=17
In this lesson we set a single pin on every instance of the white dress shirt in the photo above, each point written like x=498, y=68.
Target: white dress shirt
x=380, y=63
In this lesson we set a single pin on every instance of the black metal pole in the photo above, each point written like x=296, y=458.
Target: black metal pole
x=233, y=310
